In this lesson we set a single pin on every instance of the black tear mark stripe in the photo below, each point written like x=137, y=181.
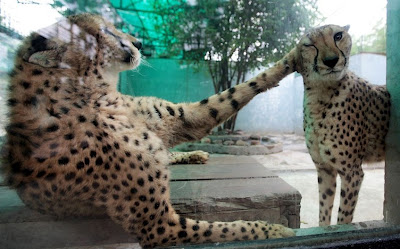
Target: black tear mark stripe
x=345, y=59
x=315, y=67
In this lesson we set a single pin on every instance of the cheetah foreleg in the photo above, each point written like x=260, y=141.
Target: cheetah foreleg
x=190, y=122
x=327, y=188
x=350, y=188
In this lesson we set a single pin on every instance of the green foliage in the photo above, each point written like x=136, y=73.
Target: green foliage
x=233, y=36
x=375, y=42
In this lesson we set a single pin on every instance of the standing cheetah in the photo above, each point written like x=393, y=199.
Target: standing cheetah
x=346, y=119
x=76, y=146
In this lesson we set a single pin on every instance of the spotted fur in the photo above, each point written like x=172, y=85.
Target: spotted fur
x=190, y=157
x=76, y=146
x=346, y=118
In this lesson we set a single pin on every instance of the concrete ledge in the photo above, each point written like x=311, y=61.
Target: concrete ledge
x=234, y=145
x=225, y=189
x=232, y=149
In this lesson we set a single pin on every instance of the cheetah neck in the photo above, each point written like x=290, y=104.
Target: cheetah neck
x=321, y=86
x=319, y=93
x=111, y=79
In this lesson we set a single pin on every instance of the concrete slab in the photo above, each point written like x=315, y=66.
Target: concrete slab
x=232, y=149
x=225, y=189
x=270, y=199
x=221, y=167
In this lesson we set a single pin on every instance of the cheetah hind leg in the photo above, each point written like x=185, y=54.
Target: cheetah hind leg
x=327, y=188
x=176, y=230
x=350, y=187
x=155, y=222
x=192, y=157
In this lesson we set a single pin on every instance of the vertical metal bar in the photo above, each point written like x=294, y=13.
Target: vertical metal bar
x=392, y=173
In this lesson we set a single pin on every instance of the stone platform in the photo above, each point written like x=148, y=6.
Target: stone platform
x=231, y=188
x=234, y=145
x=224, y=189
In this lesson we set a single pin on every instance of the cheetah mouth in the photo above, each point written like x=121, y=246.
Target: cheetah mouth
x=128, y=58
x=332, y=72
x=132, y=60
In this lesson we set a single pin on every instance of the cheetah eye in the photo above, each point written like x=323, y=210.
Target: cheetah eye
x=107, y=31
x=338, y=36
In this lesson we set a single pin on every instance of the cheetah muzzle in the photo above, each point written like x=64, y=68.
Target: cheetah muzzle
x=76, y=146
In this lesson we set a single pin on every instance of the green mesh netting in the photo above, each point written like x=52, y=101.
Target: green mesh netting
x=143, y=16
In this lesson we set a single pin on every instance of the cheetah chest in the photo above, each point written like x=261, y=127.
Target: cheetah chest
x=320, y=121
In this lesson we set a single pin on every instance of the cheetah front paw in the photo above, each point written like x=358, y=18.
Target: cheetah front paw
x=192, y=157
x=199, y=157
x=279, y=231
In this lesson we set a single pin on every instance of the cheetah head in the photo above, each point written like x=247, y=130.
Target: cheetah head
x=79, y=42
x=323, y=53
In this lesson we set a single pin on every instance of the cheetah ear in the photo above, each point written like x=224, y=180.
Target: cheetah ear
x=42, y=51
x=49, y=58
x=347, y=27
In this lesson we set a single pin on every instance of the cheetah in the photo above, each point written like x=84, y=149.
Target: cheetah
x=346, y=118
x=76, y=146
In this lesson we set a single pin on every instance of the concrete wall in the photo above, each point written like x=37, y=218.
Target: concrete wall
x=371, y=67
x=392, y=175
x=279, y=110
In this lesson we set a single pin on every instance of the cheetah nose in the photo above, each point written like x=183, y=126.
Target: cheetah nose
x=331, y=61
x=137, y=44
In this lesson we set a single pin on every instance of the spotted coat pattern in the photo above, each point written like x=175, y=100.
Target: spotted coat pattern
x=190, y=157
x=346, y=118
x=76, y=146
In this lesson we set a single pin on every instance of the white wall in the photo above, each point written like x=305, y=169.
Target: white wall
x=371, y=67
x=280, y=110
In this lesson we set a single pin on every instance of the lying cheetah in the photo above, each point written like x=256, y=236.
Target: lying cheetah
x=76, y=146
x=346, y=119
